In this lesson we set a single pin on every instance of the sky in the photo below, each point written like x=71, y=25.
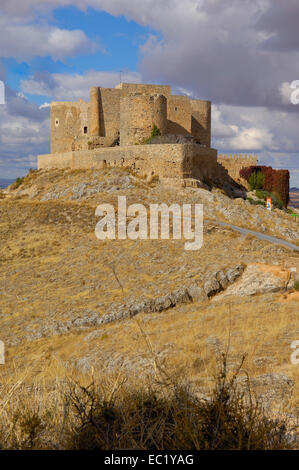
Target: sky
x=243, y=55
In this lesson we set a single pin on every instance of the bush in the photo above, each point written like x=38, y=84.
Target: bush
x=17, y=183
x=178, y=419
x=254, y=202
x=276, y=181
x=155, y=133
x=276, y=201
x=162, y=415
x=256, y=180
x=296, y=285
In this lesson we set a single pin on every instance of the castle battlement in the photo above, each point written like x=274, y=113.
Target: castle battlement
x=240, y=157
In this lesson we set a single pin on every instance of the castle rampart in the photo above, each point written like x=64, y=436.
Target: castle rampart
x=234, y=163
x=178, y=162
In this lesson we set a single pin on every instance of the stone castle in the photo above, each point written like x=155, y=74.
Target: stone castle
x=115, y=127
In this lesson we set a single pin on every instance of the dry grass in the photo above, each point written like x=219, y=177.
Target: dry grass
x=54, y=268
x=111, y=413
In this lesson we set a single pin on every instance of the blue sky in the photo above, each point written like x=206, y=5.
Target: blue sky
x=241, y=54
x=118, y=41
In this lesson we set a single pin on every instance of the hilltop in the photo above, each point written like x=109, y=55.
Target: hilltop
x=71, y=303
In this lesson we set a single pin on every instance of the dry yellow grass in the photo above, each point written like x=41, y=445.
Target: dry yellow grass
x=54, y=268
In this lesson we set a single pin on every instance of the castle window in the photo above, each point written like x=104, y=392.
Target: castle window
x=56, y=122
x=85, y=130
x=175, y=108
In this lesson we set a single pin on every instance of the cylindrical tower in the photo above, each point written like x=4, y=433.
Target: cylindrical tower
x=94, y=112
x=159, y=113
x=136, y=121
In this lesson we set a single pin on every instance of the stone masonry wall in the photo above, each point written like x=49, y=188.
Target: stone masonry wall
x=138, y=114
x=159, y=113
x=176, y=160
x=234, y=163
x=201, y=121
x=179, y=115
x=109, y=99
x=133, y=88
x=68, y=120
x=135, y=119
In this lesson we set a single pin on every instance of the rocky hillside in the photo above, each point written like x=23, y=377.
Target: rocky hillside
x=70, y=302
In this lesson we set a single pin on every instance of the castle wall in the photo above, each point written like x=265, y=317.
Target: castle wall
x=55, y=160
x=133, y=88
x=159, y=113
x=135, y=119
x=200, y=164
x=138, y=114
x=234, y=163
x=94, y=112
x=68, y=120
x=176, y=160
x=201, y=121
x=109, y=102
x=179, y=115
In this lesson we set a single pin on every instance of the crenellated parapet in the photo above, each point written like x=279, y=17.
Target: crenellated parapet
x=233, y=163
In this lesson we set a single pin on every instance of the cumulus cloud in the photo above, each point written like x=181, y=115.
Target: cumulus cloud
x=23, y=41
x=213, y=48
x=272, y=135
x=69, y=87
x=253, y=139
x=24, y=132
x=241, y=54
x=255, y=128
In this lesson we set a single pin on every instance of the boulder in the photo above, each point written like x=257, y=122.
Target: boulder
x=259, y=279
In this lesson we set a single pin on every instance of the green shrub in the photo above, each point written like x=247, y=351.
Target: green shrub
x=296, y=285
x=261, y=194
x=256, y=180
x=17, y=183
x=254, y=202
x=155, y=133
x=276, y=200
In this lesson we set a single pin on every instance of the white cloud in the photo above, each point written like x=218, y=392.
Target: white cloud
x=241, y=54
x=252, y=139
x=286, y=92
x=69, y=87
x=24, y=133
x=23, y=41
x=44, y=105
